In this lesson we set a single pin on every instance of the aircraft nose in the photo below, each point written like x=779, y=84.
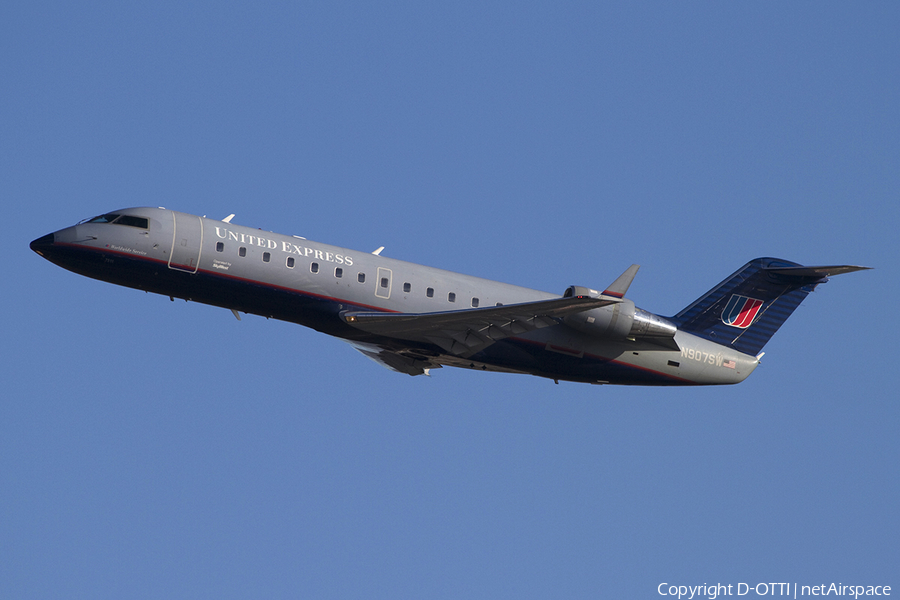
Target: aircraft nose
x=43, y=244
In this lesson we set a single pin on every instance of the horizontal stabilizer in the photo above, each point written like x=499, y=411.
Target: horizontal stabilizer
x=815, y=272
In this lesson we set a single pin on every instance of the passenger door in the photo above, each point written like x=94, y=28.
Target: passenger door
x=187, y=241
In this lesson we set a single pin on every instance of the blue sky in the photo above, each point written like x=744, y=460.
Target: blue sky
x=154, y=449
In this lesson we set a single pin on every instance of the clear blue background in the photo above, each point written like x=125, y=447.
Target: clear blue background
x=151, y=449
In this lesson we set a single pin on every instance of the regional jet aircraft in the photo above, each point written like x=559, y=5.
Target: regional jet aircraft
x=411, y=318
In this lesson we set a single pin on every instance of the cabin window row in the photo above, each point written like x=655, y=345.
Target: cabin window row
x=291, y=262
x=451, y=296
x=339, y=273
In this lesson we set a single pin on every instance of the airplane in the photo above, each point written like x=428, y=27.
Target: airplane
x=412, y=318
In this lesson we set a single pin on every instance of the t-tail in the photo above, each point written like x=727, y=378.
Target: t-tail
x=746, y=309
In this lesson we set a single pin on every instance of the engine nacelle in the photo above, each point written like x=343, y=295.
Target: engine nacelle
x=614, y=320
x=646, y=324
x=621, y=320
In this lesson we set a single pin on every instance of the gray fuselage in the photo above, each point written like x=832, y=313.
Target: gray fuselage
x=293, y=279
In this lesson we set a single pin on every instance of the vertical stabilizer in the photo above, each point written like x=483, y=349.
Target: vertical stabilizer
x=746, y=310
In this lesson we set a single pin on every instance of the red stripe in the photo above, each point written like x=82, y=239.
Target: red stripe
x=606, y=359
x=748, y=312
x=220, y=275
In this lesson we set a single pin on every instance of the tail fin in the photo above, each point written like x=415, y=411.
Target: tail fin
x=746, y=309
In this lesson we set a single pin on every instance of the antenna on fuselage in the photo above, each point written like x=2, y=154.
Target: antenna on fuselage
x=378, y=252
x=228, y=218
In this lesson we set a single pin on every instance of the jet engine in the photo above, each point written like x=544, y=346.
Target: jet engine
x=622, y=320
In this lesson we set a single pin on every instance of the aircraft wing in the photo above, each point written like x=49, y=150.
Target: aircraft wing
x=412, y=362
x=394, y=360
x=465, y=332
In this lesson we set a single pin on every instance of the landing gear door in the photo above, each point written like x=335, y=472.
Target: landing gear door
x=187, y=239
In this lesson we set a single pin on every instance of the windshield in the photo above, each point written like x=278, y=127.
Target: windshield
x=108, y=218
x=129, y=220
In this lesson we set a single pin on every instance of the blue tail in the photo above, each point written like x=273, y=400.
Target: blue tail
x=746, y=309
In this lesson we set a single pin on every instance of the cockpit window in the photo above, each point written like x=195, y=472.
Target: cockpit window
x=141, y=222
x=109, y=218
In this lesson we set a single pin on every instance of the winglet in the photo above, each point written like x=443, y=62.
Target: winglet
x=618, y=287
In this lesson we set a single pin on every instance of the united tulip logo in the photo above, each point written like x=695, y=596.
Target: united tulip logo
x=740, y=311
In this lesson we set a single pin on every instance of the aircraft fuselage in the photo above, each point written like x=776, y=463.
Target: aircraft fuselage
x=313, y=284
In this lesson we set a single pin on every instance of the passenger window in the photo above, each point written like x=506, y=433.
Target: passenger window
x=267, y=256
x=384, y=282
x=451, y=297
x=407, y=287
x=314, y=267
x=220, y=246
x=242, y=251
x=361, y=278
x=290, y=262
x=430, y=292
x=338, y=272
x=475, y=302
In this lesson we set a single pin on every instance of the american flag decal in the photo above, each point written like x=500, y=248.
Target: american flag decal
x=740, y=311
x=729, y=364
